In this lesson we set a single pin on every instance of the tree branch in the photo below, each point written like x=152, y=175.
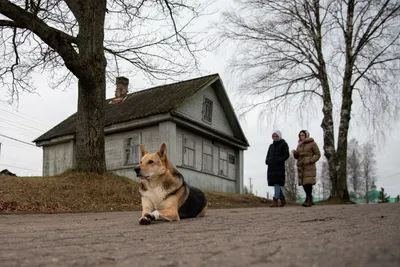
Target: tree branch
x=10, y=24
x=56, y=39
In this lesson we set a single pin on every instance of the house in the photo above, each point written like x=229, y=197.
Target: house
x=194, y=118
x=6, y=172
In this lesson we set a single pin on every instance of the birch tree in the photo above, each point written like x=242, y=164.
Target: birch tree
x=325, y=179
x=296, y=55
x=368, y=167
x=354, y=171
x=79, y=40
x=291, y=184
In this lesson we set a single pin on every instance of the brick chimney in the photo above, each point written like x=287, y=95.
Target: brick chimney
x=121, y=90
x=122, y=87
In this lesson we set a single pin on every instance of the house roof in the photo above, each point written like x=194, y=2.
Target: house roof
x=6, y=172
x=142, y=104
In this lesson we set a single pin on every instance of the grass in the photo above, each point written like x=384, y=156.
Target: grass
x=87, y=192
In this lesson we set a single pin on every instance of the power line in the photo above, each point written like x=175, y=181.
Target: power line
x=390, y=176
x=20, y=130
x=17, y=140
x=19, y=114
x=22, y=124
x=6, y=165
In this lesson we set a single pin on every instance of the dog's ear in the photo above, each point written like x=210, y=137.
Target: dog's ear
x=163, y=155
x=143, y=151
x=163, y=150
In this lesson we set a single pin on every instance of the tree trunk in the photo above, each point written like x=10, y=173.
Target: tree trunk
x=328, y=130
x=90, y=155
x=327, y=109
x=329, y=138
x=345, y=112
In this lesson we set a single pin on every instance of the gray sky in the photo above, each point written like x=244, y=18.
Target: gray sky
x=37, y=113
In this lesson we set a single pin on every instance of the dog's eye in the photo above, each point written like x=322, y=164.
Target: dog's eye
x=150, y=162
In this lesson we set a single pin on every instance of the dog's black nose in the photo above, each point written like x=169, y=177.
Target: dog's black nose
x=137, y=170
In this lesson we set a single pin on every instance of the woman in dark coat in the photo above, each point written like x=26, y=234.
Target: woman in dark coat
x=278, y=153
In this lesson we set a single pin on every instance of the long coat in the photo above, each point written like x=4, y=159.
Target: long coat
x=307, y=153
x=278, y=153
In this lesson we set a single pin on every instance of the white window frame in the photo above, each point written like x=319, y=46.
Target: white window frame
x=205, y=154
x=131, y=148
x=187, y=147
x=223, y=161
x=207, y=110
x=229, y=158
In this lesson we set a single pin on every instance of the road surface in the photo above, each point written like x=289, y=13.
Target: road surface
x=345, y=235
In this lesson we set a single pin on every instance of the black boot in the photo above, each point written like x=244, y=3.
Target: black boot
x=305, y=202
x=274, y=203
x=283, y=202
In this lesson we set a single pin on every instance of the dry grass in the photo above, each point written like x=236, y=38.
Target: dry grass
x=69, y=192
x=228, y=200
x=87, y=192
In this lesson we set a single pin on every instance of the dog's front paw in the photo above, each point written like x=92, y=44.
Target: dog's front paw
x=146, y=219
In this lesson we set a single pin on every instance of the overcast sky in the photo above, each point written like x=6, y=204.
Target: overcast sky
x=37, y=113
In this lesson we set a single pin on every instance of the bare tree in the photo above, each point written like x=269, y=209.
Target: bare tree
x=290, y=188
x=324, y=179
x=368, y=167
x=78, y=40
x=354, y=171
x=302, y=54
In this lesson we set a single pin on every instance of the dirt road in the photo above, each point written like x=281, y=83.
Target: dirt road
x=348, y=235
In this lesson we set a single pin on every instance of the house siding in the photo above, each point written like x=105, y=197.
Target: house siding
x=58, y=158
x=195, y=175
x=114, y=148
x=193, y=109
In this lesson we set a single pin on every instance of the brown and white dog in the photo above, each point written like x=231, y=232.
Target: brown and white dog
x=165, y=194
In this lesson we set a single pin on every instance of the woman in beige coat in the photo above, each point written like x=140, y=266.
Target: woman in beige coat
x=307, y=154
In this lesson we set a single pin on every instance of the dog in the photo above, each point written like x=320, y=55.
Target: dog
x=164, y=192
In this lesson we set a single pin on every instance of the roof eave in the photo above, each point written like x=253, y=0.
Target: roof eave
x=56, y=140
x=191, y=125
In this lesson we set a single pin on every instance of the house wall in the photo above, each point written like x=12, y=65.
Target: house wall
x=114, y=148
x=196, y=176
x=58, y=158
x=168, y=132
x=193, y=108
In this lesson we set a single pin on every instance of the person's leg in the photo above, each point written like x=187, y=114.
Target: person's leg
x=282, y=198
x=305, y=191
x=311, y=196
x=308, y=189
x=277, y=193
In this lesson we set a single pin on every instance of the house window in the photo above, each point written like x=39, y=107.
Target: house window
x=131, y=150
x=223, y=163
x=207, y=110
x=231, y=159
x=207, y=158
x=188, y=152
